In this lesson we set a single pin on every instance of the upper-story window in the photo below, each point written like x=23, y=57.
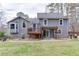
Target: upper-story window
x=45, y=22
x=12, y=26
x=61, y=21
x=16, y=26
x=24, y=25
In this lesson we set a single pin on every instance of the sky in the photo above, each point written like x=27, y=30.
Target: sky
x=31, y=9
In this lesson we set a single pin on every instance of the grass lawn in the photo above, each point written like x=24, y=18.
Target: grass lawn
x=44, y=48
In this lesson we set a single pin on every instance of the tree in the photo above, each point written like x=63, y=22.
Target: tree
x=72, y=17
x=69, y=9
x=56, y=7
x=2, y=21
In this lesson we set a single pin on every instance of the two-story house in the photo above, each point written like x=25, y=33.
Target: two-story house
x=46, y=25
x=51, y=25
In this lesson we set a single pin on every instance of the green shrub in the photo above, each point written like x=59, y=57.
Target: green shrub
x=1, y=34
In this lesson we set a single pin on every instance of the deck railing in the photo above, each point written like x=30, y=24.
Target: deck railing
x=34, y=29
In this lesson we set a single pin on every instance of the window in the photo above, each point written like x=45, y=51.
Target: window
x=61, y=22
x=59, y=31
x=45, y=22
x=16, y=26
x=12, y=26
x=34, y=25
x=24, y=25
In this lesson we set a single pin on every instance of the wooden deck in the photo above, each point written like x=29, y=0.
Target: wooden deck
x=39, y=32
x=34, y=33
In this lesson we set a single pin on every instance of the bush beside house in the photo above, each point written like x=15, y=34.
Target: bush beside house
x=2, y=36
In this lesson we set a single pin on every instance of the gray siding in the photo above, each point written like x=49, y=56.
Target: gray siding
x=63, y=28
x=21, y=31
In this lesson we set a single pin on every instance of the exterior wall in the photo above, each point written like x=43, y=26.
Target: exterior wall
x=64, y=29
x=52, y=23
x=21, y=31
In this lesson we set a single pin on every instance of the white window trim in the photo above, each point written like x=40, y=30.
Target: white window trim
x=60, y=30
x=62, y=22
x=22, y=24
x=44, y=20
x=14, y=30
x=14, y=25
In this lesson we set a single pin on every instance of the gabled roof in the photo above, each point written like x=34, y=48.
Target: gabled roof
x=51, y=15
x=17, y=18
x=34, y=20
